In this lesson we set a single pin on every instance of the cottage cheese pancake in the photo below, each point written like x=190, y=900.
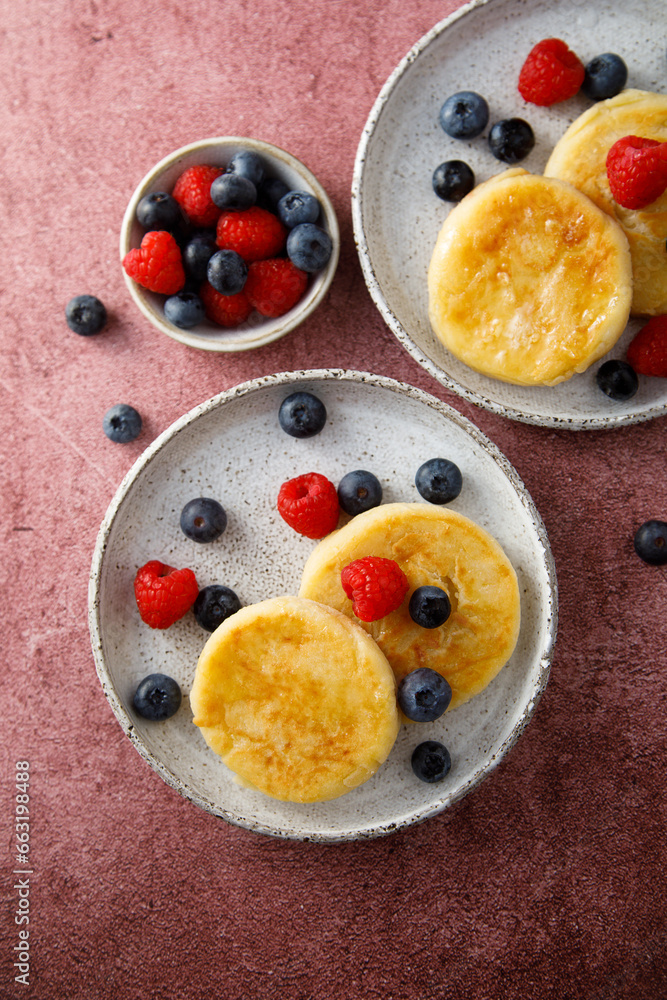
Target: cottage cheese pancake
x=580, y=158
x=529, y=281
x=441, y=548
x=296, y=698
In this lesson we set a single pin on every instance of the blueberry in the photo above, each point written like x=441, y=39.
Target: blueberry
x=617, y=379
x=159, y=210
x=309, y=247
x=296, y=207
x=302, y=415
x=270, y=191
x=605, y=76
x=453, y=180
x=439, y=480
x=431, y=761
x=651, y=542
x=184, y=310
x=464, y=115
x=196, y=254
x=249, y=164
x=511, y=140
x=359, y=491
x=213, y=605
x=122, y=423
x=233, y=191
x=424, y=695
x=429, y=607
x=203, y=519
x=227, y=272
x=85, y=315
x=157, y=697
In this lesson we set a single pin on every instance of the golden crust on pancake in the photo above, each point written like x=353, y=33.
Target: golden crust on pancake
x=437, y=547
x=529, y=281
x=297, y=700
x=579, y=157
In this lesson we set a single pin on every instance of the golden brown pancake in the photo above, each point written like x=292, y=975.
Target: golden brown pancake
x=579, y=157
x=437, y=547
x=297, y=700
x=529, y=281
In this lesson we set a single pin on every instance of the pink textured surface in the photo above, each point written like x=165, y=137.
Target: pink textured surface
x=548, y=881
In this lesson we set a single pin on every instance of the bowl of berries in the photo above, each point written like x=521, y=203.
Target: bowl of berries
x=228, y=244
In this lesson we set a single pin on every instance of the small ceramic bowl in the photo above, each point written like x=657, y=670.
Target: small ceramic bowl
x=257, y=330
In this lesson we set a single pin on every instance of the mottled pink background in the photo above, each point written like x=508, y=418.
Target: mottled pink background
x=548, y=881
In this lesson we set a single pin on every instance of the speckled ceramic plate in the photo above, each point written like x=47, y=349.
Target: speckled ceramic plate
x=232, y=448
x=397, y=216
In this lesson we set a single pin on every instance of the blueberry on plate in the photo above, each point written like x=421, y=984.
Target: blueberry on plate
x=122, y=423
x=464, y=115
x=157, y=697
x=213, y=605
x=233, y=192
x=605, y=76
x=302, y=415
x=184, y=310
x=651, y=542
x=196, y=254
x=159, y=210
x=424, y=695
x=431, y=761
x=227, y=272
x=453, y=180
x=203, y=519
x=247, y=163
x=309, y=247
x=85, y=315
x=438, y=480
x=511, y=140
x=296, y=207
x=358, y=491
x=429, y=606
x=270, y=191
x=617, y=379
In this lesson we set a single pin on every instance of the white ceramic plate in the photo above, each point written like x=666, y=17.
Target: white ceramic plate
x=232, y=448
x=397, y=216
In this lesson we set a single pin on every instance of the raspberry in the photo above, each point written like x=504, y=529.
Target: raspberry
x=156, y=264
x=254, y=233
x=376, y=587
x=551, y=73
x=637, y=171
x=192, y=191
x=274, y=286
x=164, y=594
x=225, y=310
x=309, y=504
x=648, y=351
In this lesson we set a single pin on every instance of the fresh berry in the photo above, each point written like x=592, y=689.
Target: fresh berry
x=122, y=423
x=648, y=351
x=424, y=695
x=233, y=192
x=438, y=480
x=511, y=140
x=605, y=76
x=157, y=697
x=85, y=315
x=156, y=264
x=203, y=519
x=164, y=594
x=302, y=415
x=637, y=171
x=214, y=604
x=464, y=115
x=551, y=73
x=309, y=504
x=247, y=163
x=275, y=286
x=255, y=234
x=431, y=761
x=270, y=191
x=376, y=587
x=309, y=247
x=196, y=254
x=296, y=207
x=617, y=379
x=651, y=542
x=184, y=310
x=453, y=180
x=225, y=310
x=359, y=491
x=227, y=272
x=429, y=606
x=192, y=191
x=159, y=210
